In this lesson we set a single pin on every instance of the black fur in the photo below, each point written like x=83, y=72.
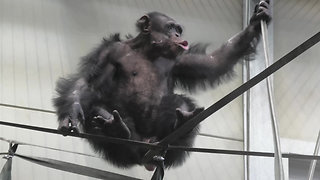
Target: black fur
x=125, y=88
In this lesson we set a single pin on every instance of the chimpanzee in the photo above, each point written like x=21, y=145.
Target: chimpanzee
x=125, y=88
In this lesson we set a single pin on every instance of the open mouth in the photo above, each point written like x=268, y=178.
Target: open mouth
x=184, y=45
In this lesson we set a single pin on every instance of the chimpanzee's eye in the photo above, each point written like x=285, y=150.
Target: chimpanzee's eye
x=170, y=26
x=179, y=29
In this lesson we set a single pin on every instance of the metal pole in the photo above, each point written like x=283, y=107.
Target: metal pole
x=314, y=162
x=246, y=95
x=279, y=173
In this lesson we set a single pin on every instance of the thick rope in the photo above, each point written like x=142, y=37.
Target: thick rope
x=85, y=135
x=46, y=147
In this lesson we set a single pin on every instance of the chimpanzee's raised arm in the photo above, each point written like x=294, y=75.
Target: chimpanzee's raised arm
x=196, y=68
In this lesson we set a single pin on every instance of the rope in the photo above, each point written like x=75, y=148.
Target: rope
x=75, y=168
x=27, y=108
x=60, y=165
x=238, y=152
x=53, y=112
x=46, y=147
x=85, y=135
x=186, y=127
x=205, y=150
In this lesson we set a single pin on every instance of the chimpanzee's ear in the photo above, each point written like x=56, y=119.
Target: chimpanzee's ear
x=143, y=24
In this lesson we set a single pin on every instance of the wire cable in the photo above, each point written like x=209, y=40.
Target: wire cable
x=45, y=147
x=238, y=152
x=27, y=108
x=85, y=135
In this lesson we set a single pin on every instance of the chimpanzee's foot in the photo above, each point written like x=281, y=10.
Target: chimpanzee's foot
x=184, y=116
x=71, y=123
x=112, y=125
x=68, y=125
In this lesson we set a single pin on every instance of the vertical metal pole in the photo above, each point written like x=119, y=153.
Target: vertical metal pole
x=246, y=101
x=259, y=125
x=279, y=173
x=314, y=162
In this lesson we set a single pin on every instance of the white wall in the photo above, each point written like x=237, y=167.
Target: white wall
x=297, y=94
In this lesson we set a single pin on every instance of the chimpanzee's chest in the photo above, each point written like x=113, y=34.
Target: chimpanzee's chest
x=143, y=82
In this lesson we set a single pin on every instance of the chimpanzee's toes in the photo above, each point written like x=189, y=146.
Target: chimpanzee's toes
x=122, y=129
x=116, y=116
x=74, y=129
x=67, y=126
x=111, y=126
x=64, y=130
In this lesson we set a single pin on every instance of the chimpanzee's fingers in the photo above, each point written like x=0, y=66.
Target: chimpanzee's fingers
x=261, y=12
x=264, y=4
x=116, y=116
x=101, y=120
x=74, y=125
x=256, y=8
x=117, y=127
x=264, y=15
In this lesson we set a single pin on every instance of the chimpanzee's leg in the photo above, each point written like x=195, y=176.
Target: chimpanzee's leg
x=174, y=111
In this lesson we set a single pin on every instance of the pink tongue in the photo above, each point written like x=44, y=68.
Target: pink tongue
x=184, y=45
x=149, y=167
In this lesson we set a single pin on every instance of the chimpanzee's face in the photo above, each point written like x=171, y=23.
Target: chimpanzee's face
x=166, y=33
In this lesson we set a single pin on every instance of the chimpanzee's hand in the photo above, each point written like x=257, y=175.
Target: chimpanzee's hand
x=261, y=12
x=111, y=125
x=71, y=123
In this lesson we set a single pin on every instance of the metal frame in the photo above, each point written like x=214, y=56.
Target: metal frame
x=258, y=132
